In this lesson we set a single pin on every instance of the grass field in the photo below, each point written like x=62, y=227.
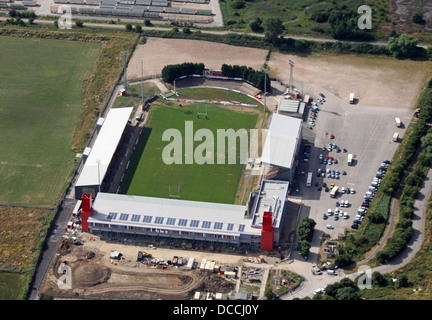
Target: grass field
x=41, y=101
x=148, y=175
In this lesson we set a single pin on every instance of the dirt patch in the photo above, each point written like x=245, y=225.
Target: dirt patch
x=376, y=81
x=94, y=274
x=157, y=53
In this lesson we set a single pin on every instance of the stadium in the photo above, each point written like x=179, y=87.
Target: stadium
x=190, y=210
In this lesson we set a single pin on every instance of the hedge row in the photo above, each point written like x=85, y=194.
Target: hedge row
x=256, y=77
x=174, y=71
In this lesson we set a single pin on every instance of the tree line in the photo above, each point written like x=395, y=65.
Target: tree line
x=256, y=77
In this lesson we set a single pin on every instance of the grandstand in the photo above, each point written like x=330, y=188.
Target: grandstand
x=239, y=85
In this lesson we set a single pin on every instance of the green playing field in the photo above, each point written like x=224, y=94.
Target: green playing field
x=148, y=175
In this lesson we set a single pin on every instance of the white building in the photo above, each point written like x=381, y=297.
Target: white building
x=99, y=156
x=282, y=146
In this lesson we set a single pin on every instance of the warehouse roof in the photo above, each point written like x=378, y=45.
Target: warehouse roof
x=282, y=139
x=102, y=151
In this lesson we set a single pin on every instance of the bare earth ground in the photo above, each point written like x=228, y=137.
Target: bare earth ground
x=158, y=53
x=94, y=274
x=375, y=81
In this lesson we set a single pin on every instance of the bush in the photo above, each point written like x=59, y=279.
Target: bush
x=238, y=4
x=187, y=30
x=256, y=26
x=138, y=29
x=417, y=18
x=128, y=27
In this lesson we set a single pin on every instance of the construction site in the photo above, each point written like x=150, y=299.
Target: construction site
x=87, y=266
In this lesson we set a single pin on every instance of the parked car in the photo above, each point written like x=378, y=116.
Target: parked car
x=329, y=226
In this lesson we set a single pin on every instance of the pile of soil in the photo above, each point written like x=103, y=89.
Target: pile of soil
x=65, y=247
x=216, y=283
x=85, y=275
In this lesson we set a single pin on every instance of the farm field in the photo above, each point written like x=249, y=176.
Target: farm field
x=148, y=175
x=41, y=101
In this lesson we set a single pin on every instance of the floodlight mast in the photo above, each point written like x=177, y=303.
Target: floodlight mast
x=125, y=55
x=142, y=82
x=291, y=63
x=265, y=87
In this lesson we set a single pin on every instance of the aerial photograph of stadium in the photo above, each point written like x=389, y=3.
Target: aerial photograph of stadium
x=221, y=156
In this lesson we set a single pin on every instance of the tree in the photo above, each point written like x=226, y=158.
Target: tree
x=304, y=247
x=403, y=46
x=401, y=281
x=343, y=260
x=378, y=279
x=426, y=143
x=273, y=29
x=79, y=24
x=128, y=27
x=138, y=29
x=347, y=293
x=305, y=229
x=256, y=25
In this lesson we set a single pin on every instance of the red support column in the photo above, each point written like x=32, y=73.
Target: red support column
x=86, y=210
x=267, y=232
